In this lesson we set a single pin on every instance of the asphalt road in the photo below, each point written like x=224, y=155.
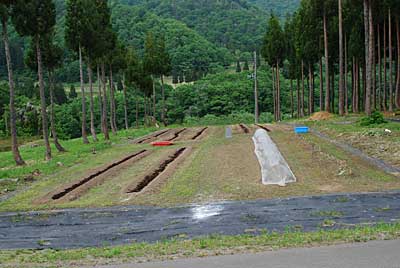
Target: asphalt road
x=378, y=254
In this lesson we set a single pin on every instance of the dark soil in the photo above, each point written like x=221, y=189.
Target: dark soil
x=78, y=188
x=199, y=133
x=245, y=129
x=165, y=168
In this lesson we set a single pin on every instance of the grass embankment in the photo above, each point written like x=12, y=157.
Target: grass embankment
x=199, y=247
x=380, y=141
x=84, y=155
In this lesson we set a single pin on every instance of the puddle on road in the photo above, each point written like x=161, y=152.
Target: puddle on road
x=207, y=211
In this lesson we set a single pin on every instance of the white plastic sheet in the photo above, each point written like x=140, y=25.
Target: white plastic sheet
x=274, y=168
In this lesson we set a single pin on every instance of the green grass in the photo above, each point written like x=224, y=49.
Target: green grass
x=77, y=154
x=198, y=247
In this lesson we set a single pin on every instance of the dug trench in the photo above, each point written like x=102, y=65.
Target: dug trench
x=158, y=174
x=78, y=188
x=152, y=137
x=199, y=134
x=177, y=134
x=263, y=127
x=245, y=129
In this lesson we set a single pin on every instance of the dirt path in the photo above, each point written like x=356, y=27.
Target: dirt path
x=123, y=225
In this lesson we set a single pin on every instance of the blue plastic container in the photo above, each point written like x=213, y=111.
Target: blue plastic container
x=301, y=130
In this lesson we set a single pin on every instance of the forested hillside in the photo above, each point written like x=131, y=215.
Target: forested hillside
x=234, y=24
x=280, y=8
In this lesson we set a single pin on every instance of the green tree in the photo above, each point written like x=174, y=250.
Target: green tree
x=273, y=51
x=76, y=24
x=246, y=66
x=36, y=18
x=164, y=68
x=5, y=6
x=150, y=63
x=238, y=67
x=52, y=58
x=72, y=93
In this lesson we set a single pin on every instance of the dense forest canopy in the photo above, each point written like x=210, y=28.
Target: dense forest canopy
x=219, y=30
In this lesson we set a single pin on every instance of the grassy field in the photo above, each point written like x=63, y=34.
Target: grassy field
x=12, y=177
x=217, y=169
x=199, y=247
x=372, y=140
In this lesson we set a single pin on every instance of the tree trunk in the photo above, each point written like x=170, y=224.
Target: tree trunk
x=104, y=117
x=384, y=68
x=273, y=90
x=92, y=128
x=368, y=54
x=302, y=89
x=353, y=84
x=326, y=45
x=163, y=108
x=52, y=117
x=397, y=99
x=278, y=92
x=100, y=97
x=45, y=127
x=256, y=108
x=84, y=134
x=341, y=76
x=364, y=71
x=154, y=97
x=346, y=74
x=311, y=91
x=321, y=86
x=125, y=104
x=13, y=125
x=291, y=98
x=112, y=104
x=137, y=110
x=373, y=63
x=333, y=92
x=147, y=111
x=391, y=64
x=298, y=98
x=379, y=93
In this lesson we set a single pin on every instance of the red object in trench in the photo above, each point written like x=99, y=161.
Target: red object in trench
x=162, y=143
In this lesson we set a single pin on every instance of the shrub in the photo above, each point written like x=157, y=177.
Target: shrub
x=376, y=118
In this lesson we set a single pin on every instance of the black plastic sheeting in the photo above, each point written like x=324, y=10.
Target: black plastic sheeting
x=76, y=228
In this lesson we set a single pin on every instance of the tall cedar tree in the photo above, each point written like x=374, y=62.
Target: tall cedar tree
x=36, y=18
x=105, y=42
x=273, y=51
x=164, y=68
x=5, y=6
x=52, y=57
x=76, y=23
x=150, y=63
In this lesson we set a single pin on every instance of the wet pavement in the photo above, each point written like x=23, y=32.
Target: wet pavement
x=76, y=228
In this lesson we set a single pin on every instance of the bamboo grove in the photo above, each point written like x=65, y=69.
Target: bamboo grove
x=357, y=41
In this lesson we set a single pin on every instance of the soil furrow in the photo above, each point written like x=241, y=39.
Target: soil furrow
x=152, y=137
x=169, y=162
x=177, y=133
x=198, y=134
x=66, y=190
x=263, y=127
x=245, y=129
